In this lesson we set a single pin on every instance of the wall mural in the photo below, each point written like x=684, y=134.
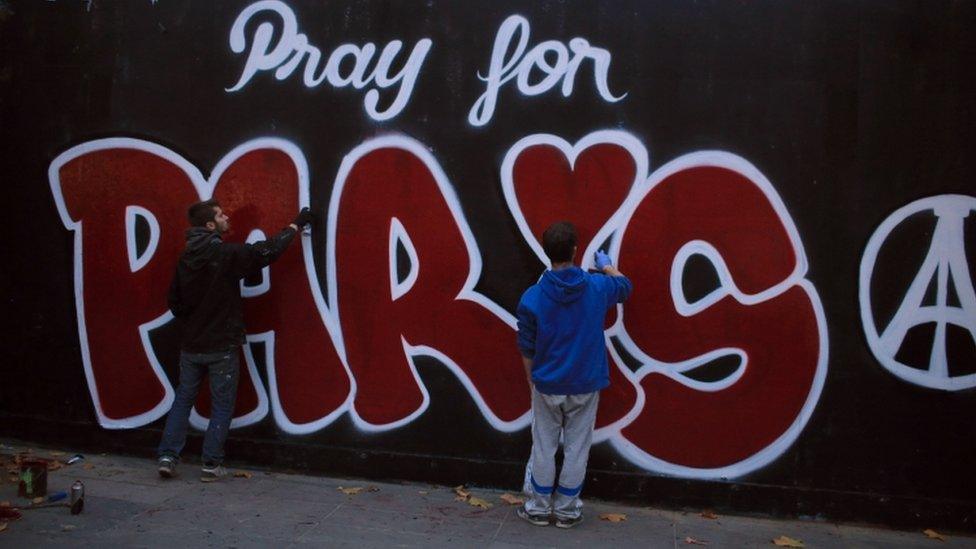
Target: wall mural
x=795, y=208
x=327, y=357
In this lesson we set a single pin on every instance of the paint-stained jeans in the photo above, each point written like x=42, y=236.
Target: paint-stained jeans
x=224, y=373
x=570, y=417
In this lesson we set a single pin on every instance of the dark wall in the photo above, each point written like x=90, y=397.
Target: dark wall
x=820, y=153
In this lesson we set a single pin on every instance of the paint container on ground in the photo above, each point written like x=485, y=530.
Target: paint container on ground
x=33, y=478
x=77, y=497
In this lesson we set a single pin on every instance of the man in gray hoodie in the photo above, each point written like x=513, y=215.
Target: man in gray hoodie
x=205, y=297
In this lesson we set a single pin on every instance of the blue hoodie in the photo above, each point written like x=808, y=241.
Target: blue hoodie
x=560, y=327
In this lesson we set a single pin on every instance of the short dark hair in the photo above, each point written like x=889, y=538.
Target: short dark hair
x=202, y=213
x=559, y=241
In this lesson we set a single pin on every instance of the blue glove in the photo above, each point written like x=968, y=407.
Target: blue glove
x=602, y=260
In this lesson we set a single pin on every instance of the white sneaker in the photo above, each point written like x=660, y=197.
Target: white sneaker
x=166, y=467
x=210, y=473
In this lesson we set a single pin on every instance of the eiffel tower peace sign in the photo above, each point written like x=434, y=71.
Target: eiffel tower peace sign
x=946, y=268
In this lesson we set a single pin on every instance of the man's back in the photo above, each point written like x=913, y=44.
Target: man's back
x=560, y=321
x=205, y=293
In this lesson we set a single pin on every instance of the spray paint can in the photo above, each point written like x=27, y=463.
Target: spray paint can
x=77, y=497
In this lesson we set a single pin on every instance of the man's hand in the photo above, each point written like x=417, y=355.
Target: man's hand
x=304, y=217
x=604, y=264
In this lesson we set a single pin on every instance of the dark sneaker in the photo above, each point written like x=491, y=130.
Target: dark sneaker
x=166, y=467
x=210, y=473
x=537, y=520
x=568, y=522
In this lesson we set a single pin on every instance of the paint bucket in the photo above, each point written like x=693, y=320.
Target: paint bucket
x=33, y=478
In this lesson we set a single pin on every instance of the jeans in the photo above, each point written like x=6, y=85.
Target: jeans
x=224, y=373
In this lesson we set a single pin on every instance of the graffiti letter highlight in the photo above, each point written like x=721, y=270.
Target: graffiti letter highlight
x=100, y=187
x=767, y=318
x=392, y=188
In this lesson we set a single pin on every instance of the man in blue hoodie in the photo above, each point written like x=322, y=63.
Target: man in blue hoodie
x=560, y=336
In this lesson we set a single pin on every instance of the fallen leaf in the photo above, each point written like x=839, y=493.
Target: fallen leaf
x=478, y=502
x=511, y=500
x=67, y=527
x=351, y=491
x=932, y=534
x=462, y=494
x=89, y=466
x=372, y=489
x=708, y=514
x=38, y=499
x=243, y=474
x=3, y=526
x=613, y=517
x=692, y=541
x=784, y=541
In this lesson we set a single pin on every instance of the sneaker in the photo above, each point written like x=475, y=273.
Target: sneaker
x=537, y=520
x=212, y=472
x=166, y=467
x=568, y=522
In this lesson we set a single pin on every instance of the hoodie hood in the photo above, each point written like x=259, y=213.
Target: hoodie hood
x=564, y=285
x=202, y=245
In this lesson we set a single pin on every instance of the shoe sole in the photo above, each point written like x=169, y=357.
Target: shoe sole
x=209, y=479
x=533, y=521
x=568, y=525
x=166, y=473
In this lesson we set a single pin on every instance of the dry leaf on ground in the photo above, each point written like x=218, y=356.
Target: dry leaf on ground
x=613, y=517
x=243, y=474
x=352, y=491
x=478, y=502
x=38, y=499
x=89, y=466
x=932, y=534
x=708, y=514
x=784, y=541
x=512, y=500
x=692, y=541
x=462, y=494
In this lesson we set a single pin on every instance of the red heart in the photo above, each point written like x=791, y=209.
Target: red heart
x=587, y=193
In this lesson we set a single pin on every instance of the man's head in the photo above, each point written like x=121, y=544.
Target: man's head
x=208, y=214
x=559, y=242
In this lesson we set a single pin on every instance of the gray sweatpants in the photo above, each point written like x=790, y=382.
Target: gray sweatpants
x=571, y=416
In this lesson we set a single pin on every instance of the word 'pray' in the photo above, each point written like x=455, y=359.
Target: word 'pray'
x=293, y=48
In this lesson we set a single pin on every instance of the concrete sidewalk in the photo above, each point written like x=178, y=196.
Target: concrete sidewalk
x=128, y=505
